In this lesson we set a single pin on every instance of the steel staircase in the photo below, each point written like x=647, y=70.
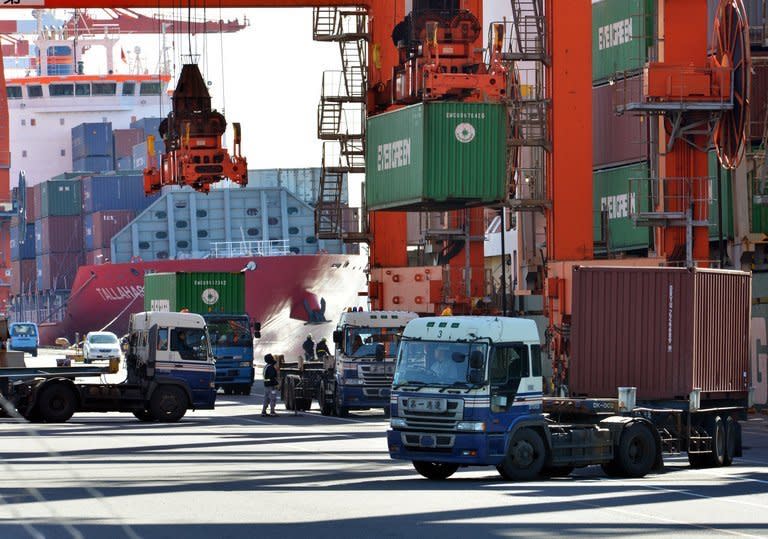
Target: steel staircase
x=341, y=113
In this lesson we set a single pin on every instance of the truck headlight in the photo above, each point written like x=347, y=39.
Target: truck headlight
x=397, y=423
x=245, y=364
x=471, y=426
x=353, y=381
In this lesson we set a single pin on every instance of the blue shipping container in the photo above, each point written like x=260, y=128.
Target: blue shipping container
x=150, y=126
x=27, y=249
x=115, y=192
x=141, y=157
x=93, y=164
x=124, y=163
x=15, y=243
x=88, y=225
x=39, y=271
x=92, y=139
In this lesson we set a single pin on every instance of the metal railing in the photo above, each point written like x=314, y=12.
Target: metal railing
x=671, y=201
x=233, y=249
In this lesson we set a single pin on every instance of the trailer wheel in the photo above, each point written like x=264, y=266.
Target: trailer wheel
x=731, y=441
x=168, y=404
x=290, y=403
x=144, y=415
x=56, y=403
x=245, y=389
x=339, y=409
x=435, y=470
x=611, y=469
x=525, y=456
x=556, y=471
x=637, y=450
x=715, y=458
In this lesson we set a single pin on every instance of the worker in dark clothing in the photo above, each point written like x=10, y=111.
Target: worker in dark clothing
x=322, y=349
x=309, y=348
x=270, y=385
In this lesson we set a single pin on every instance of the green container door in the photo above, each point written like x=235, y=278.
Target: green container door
x=613, y=196
x=759, y=221
x=199, y=292
x=727, y=199
x=622, y=31
x=436, y=156
x=60, y=197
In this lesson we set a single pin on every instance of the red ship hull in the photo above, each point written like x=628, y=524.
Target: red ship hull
x=290, y=295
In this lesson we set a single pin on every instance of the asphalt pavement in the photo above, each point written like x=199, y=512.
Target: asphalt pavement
x=229, y=472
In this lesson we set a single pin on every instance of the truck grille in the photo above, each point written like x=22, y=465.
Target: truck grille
x=427, y=441
x=376, y=374
x=432, y=420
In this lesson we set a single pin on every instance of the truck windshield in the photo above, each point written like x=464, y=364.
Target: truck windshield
x=362, y=342
x=441, y=363
x=23, y=330
x=229, y=331
x=190, y=343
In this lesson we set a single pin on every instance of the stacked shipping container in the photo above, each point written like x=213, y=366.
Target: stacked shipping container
x=93, y=147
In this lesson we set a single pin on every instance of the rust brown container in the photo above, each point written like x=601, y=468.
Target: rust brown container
x=758, y=95
x=617, y=140
x=664, y=331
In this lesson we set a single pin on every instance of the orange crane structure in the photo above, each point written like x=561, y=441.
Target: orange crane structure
x=692, y=96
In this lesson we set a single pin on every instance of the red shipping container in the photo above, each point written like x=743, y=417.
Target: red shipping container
x=59, y=269
x=97, y=256
x=62, y=234
x=108, y=223
x=617, y=140
x=758, y=99
x=125, y=140
x=23, y=277
x=664, y=331
x=32, y=205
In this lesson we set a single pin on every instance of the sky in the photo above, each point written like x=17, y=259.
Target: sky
x=270, y=81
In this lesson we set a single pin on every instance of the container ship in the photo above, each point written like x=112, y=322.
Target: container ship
x=82, y=240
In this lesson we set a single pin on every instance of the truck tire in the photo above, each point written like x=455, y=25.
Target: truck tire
x=435, y=471
x=144, y=415
x=525, y=456
x=56, y=403
x=339, y=409
x=637, y=450
x=168, y=404
x=731, y=440
x=715, y=428
x=326, y=408
x=289, y=396
x=245, y=389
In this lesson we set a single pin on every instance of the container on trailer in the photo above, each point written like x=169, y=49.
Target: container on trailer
x=665, y=331
x=199, y=292
x=437, y=155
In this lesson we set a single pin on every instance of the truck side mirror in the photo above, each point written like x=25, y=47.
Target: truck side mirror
x=337, y=335
x=152, y=338
x=256, y=330
x=476, y=360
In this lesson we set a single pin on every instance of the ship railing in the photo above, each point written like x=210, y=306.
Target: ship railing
x=233, y=249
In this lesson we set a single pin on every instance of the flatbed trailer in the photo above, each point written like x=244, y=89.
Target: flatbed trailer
x=299, y=382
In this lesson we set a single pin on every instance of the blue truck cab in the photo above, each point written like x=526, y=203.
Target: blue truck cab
x=24, y=337
x=232, y=345
x=462, y=387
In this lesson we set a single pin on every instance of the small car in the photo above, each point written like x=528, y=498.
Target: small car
x=24, y=337
x=100, y=345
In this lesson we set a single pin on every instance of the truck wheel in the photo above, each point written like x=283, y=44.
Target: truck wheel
x=387, y=412
x=714, y=427
x=56, y=403
x=339, y=409
x=168, y=404
x=144, y=415
x=637, y=450
x=525, y=456
x=289, y=401
x=245, y=389
x=556, y=471
x=435, y=470
x=611, y=469
x=731, y=441
x=326, y=408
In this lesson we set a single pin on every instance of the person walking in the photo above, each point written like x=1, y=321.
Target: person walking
x=322, y=349
x=309, y=348
x=270, y=385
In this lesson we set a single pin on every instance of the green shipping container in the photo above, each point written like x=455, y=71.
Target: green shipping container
x=622, y=31
x=200, y=292
x=727, y=200
x=613, y=195
x=436, y=156
x=60, y=197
